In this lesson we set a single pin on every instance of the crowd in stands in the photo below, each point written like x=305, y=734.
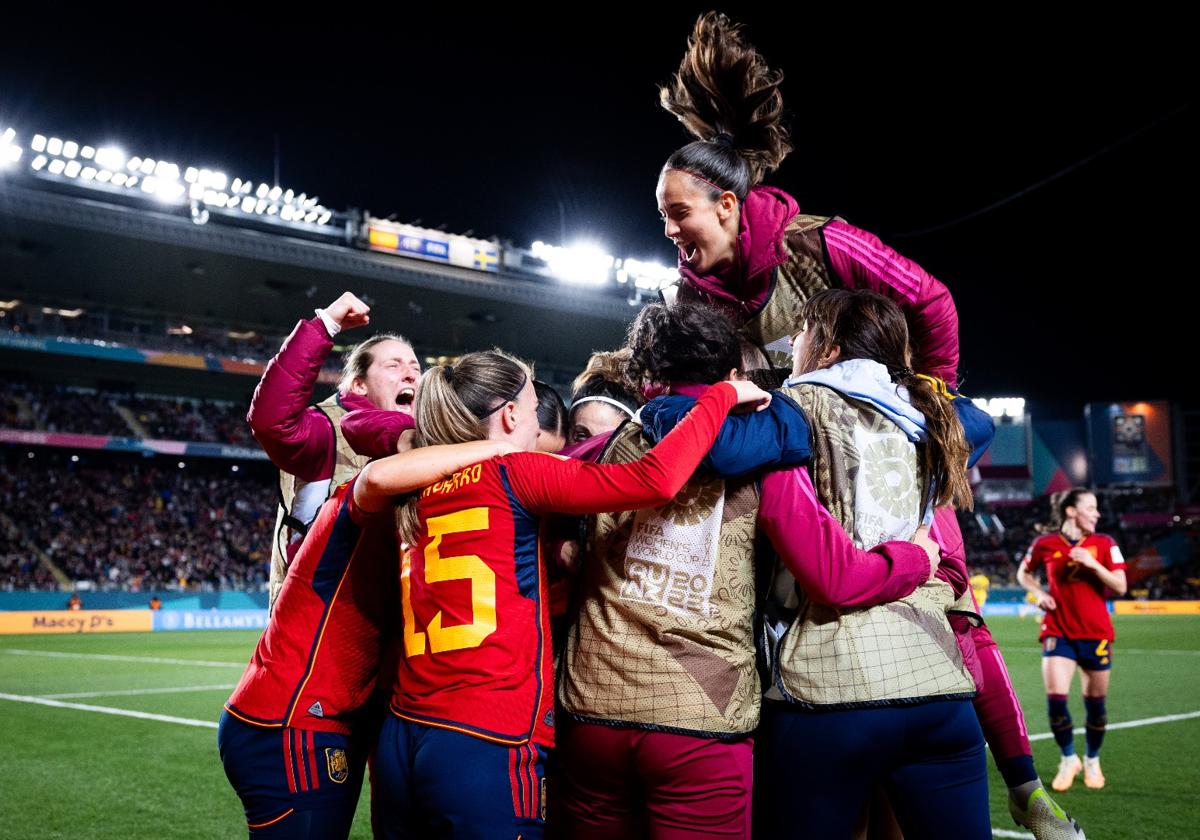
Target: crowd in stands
x=123, y=522
x=997, y=551
x=143, y=333
x=160, y=334
x=53, y=408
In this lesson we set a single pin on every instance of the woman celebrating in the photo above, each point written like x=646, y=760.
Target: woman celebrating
x=658, y=679
x=745, y=248
x=1076, y=629
x=463, y=752
x=877, y=695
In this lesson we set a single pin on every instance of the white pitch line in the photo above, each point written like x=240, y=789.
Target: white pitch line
x=134, y=692
x=1126, y=724
x=1118, y=648
x=111, y=657
x=108, y=710
x=1008, y=832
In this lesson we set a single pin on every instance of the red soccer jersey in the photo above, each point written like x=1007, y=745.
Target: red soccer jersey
x=477, y=655
x=1082, y=609
x=318, y=660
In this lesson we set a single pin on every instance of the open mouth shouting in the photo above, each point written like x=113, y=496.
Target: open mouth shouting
x=688, y=251
x=404, y=399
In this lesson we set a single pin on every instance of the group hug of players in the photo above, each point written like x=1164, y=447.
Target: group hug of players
x=741, y=608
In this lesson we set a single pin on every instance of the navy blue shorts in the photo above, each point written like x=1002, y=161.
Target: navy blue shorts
x=432, y=782
x=815, y=771
x=1091, y=654
x=292, y=782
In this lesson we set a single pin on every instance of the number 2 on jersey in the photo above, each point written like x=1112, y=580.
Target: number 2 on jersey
x=438, y=569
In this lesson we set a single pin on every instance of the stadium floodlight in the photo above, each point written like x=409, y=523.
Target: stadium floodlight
x=54, y=146
x=131, y=181
x=111, y=158
x=118, y=178
x=275, y=193
x=9, y=153
x=260, y=206
x=248, y=203
x=311, y=217
x=271, y=209
x=149, y=184
x=88, y=173
x=38, y=162
x=147, y=167
x=171, y=191
x=288, y=196
x=263, y=189
x=57, y=166
x=1002, y=406
x=70, y=149
x=104, y=176
x=584, y=264
x=87, y=153
x=72, y=168
x=192, y=175
x=649, y=275
x=134, y=163
x=38, y=144
x=325, y=217
x=236, y=187
x=196, y=192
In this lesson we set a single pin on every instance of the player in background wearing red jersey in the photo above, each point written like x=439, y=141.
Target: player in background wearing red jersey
x=1081, y=568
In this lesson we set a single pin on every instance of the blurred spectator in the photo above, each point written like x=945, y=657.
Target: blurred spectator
x=126, y=524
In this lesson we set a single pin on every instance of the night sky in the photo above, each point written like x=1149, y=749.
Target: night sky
x=527, y=127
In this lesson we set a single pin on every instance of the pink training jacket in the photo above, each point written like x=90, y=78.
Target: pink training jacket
x=817, y=551
x=856, y=260
x=297, y=437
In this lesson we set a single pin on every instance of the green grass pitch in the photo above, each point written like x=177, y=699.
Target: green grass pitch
x=71, y=772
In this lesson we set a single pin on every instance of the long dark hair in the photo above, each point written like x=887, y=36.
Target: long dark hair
x=864, y=325
x=728, y=98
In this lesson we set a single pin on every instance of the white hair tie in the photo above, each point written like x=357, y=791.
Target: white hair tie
x=609, y=400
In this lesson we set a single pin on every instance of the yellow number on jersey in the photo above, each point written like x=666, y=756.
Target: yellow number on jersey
x=439, y=569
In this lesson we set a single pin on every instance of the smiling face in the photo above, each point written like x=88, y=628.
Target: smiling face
x=704, y=230
x=1084, y=513
x=391, y=379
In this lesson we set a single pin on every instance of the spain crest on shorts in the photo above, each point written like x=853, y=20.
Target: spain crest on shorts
x=337, y=764
x=1050, y=643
